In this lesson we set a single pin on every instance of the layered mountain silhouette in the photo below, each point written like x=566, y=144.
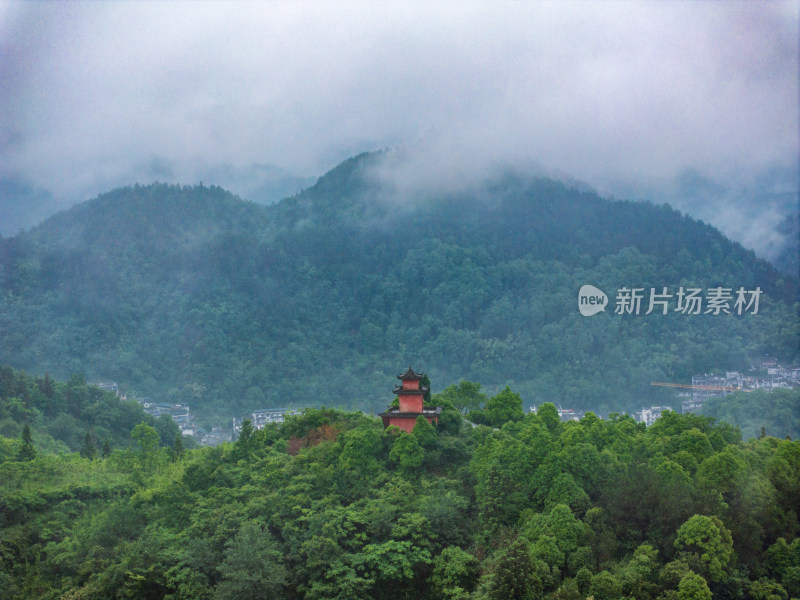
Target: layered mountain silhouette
x=193, y=294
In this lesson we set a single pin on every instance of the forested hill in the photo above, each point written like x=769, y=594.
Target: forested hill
x=330, y=505
x=192, y=294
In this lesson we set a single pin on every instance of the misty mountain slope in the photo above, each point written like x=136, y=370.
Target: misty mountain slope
x=108, y=272
x=192, y=294
x=788, y=259
x=512, y=216
x=759, y=211
x=23, y=205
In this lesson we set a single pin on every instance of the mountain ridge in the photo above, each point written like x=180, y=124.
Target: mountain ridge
x=194, y=294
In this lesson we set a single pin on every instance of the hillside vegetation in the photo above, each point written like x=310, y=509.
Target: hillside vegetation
x=191, y=294
x=331, y=506
x=775, y=413
x=71, y=416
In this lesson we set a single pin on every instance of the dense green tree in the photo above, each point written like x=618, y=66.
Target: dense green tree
x=548, y=415
x=693, y=587
x=783, y=565
x=425, y=382
x=583, y=578
x=147, y=438
x=251, y=568
x=245, y=445
x=791, y=581
x=605, y=586
x=564, y=490
x=407, y=453
x=26, y=448
x=707, y=539
x=640, y=576
x=764, y=589
x=783, y=471
x=500, y=500
x=47, y=387
x=88, y=450
x=454, y=574
x=424, y=433
x=464, y=396
x=504, y=407
x=449, y=421
x=548, y=560
x=392, y=563
x=513, y=575
x=695, y=443
x=723, y=472
x=362, y=447
x=167, y=430
x=177, y=451
x=358, y=463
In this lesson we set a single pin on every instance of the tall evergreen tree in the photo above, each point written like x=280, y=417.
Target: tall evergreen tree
x=89, y=450
x=177, y=449
x=426, y=382
x=26, y=451
x=47, y=387
x=514, y=576
x=246, y=442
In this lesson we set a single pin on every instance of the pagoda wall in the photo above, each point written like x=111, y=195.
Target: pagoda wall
x=406, y=424
x=411, y=403
x=411, y=384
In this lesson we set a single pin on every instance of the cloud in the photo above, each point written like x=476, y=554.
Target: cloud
x=94, y=95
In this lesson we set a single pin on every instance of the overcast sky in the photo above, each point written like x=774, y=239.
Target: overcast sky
x=99, y=94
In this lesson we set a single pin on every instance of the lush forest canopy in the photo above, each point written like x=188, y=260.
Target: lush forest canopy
x=329, y=505
x=71, y=416
x=775, y=413
x=191, y=294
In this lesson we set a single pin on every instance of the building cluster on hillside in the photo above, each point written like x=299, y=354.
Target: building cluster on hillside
x=714, y=386
x=110, y=386
x=648, y=416
x=215, y=437
x=771, y=376
x=180, y=413
x=186, y=421
x=262, y=417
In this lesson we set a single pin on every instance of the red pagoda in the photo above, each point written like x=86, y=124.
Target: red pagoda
x=410, y=395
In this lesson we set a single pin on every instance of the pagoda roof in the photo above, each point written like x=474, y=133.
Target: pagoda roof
x=399, y=390
x=410, y=374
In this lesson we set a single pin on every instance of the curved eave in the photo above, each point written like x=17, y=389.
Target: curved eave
x=399, y=390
